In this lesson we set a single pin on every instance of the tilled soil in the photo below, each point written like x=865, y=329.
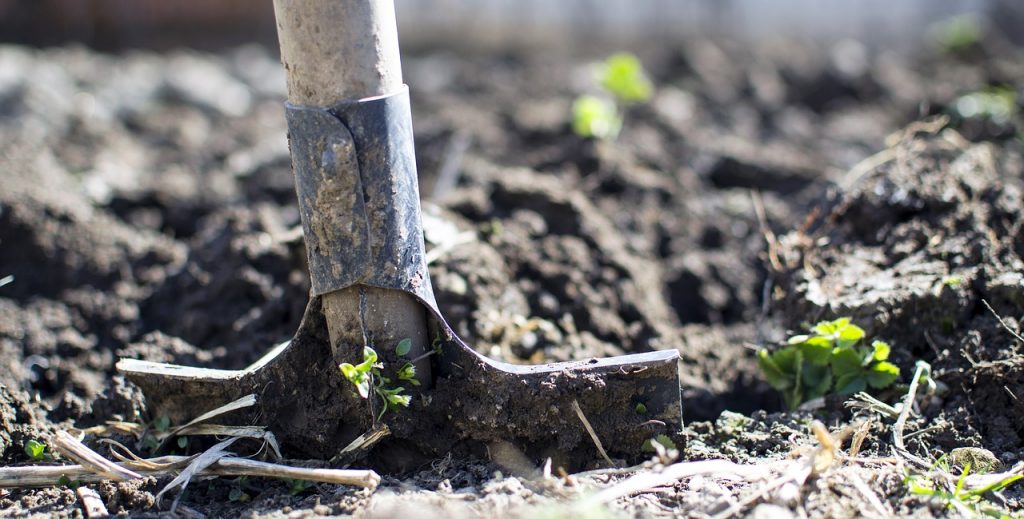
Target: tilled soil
x=148, y=211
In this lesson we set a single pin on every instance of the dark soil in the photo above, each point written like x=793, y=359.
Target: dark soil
x=147, y=211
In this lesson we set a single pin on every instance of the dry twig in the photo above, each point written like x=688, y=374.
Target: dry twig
x=591, y=432
x=92, y=505
x=74, y=450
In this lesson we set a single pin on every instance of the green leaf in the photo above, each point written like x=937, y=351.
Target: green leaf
x=162, y=423
x=882, y=374
x=35, y=450
x=640, y=408
x=623, y=76
x=850, y=383
x=772, y=373
x=880, y=350
x=849, y=335
x=65, y=481
x=788, y=359
x=845, y=362
x=358, y=378
x=661, y=439
x=404, y=347
x=797, y=339
x=182, y=442
x=408, y=373
x=817, y=381
x=595, y=117
x=817, y=350
x=402, y=400
x=369, y=358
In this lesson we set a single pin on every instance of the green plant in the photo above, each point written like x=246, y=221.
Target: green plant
x=829, y=359
x=958, y=33
x=661, y=439
x=65, y=481
x=623, y=76
x=298, y=486
x=622, y=81
x=997, y=104
x=970, y=502
x=36, y=450
x=367, y=376
x=595, y=117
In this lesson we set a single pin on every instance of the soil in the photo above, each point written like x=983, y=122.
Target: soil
x=148, y=211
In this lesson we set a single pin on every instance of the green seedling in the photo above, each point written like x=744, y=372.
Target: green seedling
x=622, y=75
x=595, y=117
x=298, y=486
x=996, y=104
x=829, y=359
x=366, y=377
x=661, y=439
x=957, y=34
x=640, y=408
x=162, y=424
x=622, y=81
x=968, y=502
x=36, y=450
x=67, y=482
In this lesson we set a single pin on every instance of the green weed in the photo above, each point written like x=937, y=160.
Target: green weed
x=36, y=450
x=831, y=359
x=969, y=502
x=367, y=377
x=622, y=82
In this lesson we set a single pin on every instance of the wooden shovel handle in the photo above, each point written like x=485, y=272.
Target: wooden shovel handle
x=336, y=50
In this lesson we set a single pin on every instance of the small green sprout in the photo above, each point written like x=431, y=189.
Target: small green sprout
x=407, y=373
x=298, y=486
x=65, y=481
x=969, y=502
x=361, y=374
x=952, y=281
x=36, y=450
x=162, y=423
x=623, y=82
x=595, y=117
x=830, y=359
x=403, y=347
x=182, y=442
x=623, y=76
x=661, y=439
x=996, y=104
x=237, y=495
x=367, y=376
x=640, y=408
x=958, y=33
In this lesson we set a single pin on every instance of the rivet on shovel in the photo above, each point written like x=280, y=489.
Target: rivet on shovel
x=351, y=141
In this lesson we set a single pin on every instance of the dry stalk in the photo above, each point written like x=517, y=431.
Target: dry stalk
x=591, y=432
x=92, y=504
x=901, y=422
x=74, y=450
x=34, y=476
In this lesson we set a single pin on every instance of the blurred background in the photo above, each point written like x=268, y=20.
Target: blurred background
x=211, y=24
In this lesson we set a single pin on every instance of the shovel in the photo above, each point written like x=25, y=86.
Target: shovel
x=350, y=134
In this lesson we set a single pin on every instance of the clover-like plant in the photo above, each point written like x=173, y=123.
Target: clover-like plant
x=36, y=450
x=367, y=376
x=831, y=359
x=622, y=82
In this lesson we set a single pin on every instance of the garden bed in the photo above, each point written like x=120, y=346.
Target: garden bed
x=148, y=211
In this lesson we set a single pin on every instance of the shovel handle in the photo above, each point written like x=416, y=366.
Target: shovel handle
x=345, y=50
x=337, y=50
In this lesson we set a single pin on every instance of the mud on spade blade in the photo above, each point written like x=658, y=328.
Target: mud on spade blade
x=359, y=204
